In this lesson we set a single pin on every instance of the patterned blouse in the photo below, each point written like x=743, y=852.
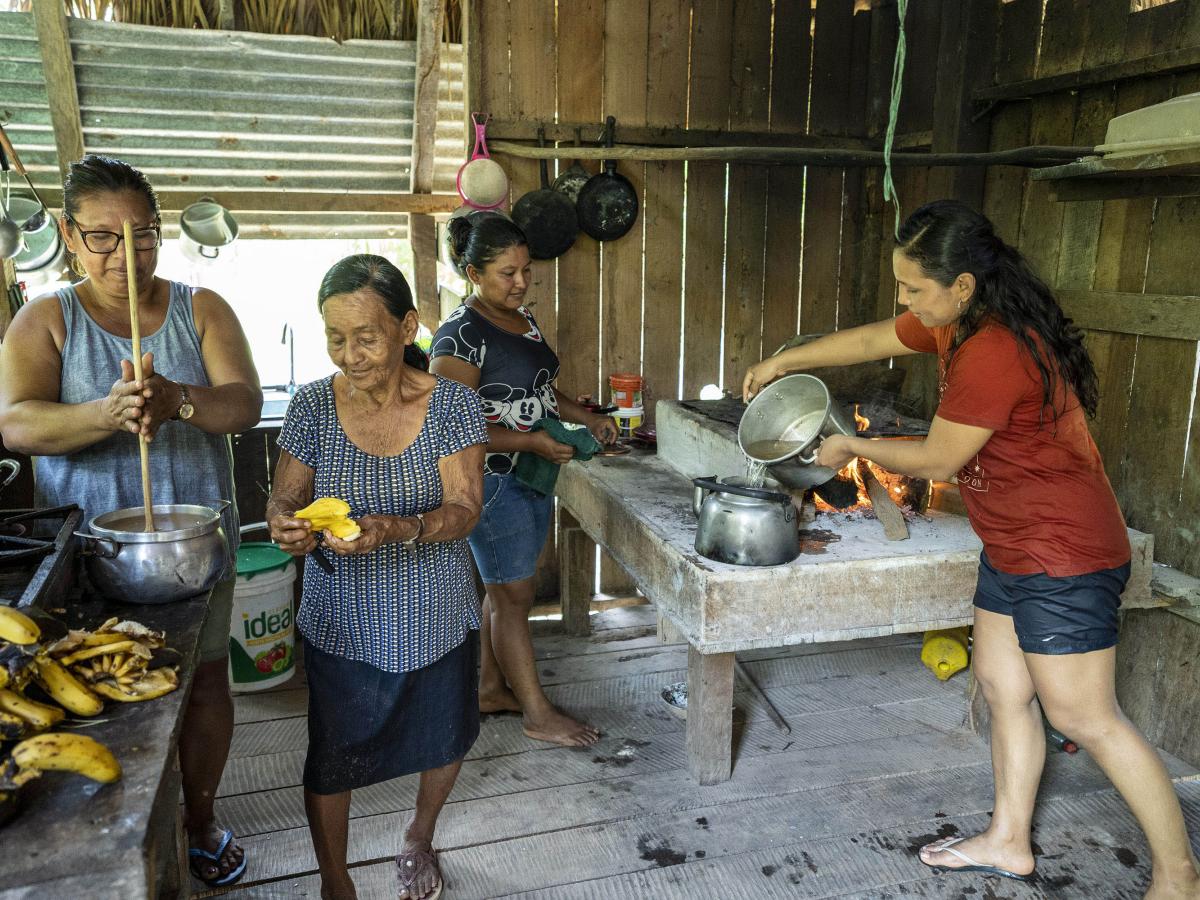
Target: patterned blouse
x=396, y=609
x=516, y=373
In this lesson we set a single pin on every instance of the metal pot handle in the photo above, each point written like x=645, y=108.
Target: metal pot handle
x=811, y=459
x=96, y=539
x=14, y=469
x=711, y=484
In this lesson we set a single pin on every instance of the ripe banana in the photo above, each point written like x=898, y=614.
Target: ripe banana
x=62, y=752
x=17, y=627
x=123, y=646
x=149, y=685
x=12, y=726
x=65, y=689
x=39, y=715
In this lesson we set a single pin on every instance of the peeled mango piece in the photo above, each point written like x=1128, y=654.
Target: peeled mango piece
x=332, y=514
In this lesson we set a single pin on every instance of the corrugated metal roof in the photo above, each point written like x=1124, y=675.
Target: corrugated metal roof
x=229, y=110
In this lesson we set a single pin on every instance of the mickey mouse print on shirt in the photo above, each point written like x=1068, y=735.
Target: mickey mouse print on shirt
x=517, y=372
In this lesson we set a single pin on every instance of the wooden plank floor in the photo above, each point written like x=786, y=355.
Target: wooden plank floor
x=878, y=762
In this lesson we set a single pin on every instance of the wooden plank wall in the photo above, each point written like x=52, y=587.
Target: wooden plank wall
x=1148, y=426
x=726, y=261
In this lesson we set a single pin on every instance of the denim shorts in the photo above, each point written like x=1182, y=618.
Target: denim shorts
x=512, y=530
x=1074, y=614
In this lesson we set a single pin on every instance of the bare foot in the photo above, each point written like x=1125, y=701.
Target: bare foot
x=558, y=728
x=1187, y=888
x=985, y=850
x=420, y=876
x=498, y=700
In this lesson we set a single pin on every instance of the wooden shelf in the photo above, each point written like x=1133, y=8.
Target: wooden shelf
x=1164, y=173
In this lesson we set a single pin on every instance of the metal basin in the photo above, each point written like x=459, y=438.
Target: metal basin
x=186, y=557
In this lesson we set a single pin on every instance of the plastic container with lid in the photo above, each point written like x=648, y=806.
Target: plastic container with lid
x=262, y=636
x=626, y=389
x=945, y=652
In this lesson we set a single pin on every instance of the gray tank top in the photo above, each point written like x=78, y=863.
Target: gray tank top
x=187, y=465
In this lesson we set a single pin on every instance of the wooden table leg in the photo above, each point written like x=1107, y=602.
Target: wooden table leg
x=576, y=567
x=710, y=716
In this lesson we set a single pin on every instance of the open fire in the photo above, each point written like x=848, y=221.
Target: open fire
x=910, y=494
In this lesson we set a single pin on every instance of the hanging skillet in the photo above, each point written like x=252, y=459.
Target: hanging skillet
x=571, y=182
x=546, y=216
x=607, y=204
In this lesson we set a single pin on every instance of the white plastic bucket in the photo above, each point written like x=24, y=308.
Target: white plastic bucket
x=628, y=421
x=262, y=636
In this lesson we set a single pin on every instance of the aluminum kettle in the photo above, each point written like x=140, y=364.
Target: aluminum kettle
x=742, y=525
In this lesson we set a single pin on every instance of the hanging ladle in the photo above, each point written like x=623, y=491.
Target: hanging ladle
x=38, y=219
x=135, y=328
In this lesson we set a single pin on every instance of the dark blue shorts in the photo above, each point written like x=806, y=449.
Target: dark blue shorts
x=512, y=530
x=1075, y=614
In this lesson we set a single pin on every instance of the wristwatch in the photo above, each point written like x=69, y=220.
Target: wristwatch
x=412, y=541
x=186, y=410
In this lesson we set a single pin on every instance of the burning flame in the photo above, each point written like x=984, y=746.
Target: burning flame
x=853, y=470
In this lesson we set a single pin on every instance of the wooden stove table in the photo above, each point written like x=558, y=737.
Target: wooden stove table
x=75, y=838
x=861, y=585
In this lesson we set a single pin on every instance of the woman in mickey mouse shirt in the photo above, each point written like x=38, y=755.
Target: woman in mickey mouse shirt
x=1015, y=384
x=492, y=344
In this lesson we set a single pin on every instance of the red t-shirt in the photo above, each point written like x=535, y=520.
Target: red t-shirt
x=1036, y=494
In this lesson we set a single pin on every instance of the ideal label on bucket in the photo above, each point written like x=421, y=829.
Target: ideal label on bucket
x=262, y=647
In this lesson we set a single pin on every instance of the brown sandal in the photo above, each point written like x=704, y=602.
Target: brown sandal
x=411, y=864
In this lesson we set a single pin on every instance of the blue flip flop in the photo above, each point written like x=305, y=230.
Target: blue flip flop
x=195, y=853
x=947, y=846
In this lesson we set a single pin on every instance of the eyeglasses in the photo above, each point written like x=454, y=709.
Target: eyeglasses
x=108, y=241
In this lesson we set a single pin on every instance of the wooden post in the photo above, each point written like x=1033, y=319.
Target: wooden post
x=422, y=229
x=8, y=277
x=964, y=63
x=710, y=716
x=58, y=67
x=576, y=571
x=668, y=631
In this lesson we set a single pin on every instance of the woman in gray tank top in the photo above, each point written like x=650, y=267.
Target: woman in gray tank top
x=68, y=398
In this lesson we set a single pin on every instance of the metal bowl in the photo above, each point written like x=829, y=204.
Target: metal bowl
x=186, y=557
x=784, y=424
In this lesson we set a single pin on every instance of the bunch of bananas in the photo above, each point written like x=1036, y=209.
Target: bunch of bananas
x=22, y=660
x=332, y=514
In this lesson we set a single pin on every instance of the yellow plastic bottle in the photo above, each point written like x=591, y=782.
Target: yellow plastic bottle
x=945, y=652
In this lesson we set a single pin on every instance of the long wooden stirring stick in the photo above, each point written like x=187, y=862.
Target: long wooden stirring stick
x=143, y=446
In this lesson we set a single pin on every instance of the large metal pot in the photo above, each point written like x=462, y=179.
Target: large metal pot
x=743, y=525
x=784, y=424
x=185, y=558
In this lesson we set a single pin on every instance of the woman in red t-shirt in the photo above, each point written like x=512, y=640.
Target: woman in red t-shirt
x=1015, y=386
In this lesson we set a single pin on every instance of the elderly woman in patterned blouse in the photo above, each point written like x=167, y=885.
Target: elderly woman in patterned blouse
x=390, y=624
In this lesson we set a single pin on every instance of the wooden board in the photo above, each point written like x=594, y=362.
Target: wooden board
x=704, y=236
x=663, y=214
x=580, y=91
x=747, y=199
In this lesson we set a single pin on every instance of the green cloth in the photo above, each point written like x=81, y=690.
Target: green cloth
x=538, y=472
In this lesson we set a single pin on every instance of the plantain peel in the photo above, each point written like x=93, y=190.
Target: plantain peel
x=332, y=515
